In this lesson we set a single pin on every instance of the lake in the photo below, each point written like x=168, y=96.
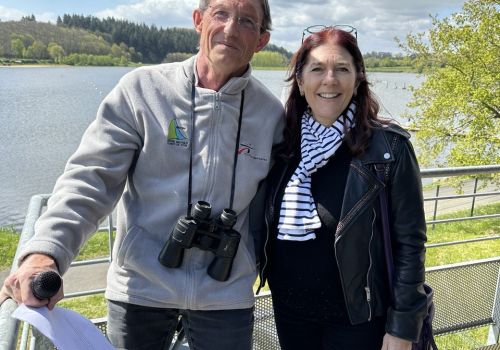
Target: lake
x=44, y=111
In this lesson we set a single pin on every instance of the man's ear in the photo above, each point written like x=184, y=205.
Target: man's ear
x=263, y=40
x=197, y=20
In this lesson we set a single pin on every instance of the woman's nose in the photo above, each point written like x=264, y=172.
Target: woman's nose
x=330, y=77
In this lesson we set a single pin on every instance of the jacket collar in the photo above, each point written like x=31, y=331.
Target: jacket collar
x=232, y=87
x=381, y=148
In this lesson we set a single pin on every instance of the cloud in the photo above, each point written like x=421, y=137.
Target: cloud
x=9, y=14
x=163, y=13
x=377, y=21
x=47, y=17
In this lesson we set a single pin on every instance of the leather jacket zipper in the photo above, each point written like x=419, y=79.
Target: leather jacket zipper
x=367, y=287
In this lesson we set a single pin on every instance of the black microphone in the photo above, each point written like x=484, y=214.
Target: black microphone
x=46, y=284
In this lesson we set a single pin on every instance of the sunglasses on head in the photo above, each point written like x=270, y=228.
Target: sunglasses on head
x=319, y=27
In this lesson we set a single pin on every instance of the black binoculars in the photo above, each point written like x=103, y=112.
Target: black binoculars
x=201, y=231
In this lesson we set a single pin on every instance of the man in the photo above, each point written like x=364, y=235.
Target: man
x=166, y=137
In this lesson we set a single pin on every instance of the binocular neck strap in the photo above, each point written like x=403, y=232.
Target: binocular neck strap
x=236, y=147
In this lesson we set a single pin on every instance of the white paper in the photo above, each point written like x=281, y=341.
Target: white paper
x=66, y=329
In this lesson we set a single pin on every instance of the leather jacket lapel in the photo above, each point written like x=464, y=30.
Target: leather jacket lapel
x=363, y=186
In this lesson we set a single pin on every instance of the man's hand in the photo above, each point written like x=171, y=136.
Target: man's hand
x=393, y=343
x=18, y=285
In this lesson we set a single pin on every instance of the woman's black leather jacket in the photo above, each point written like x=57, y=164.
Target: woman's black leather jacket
x=358, y=239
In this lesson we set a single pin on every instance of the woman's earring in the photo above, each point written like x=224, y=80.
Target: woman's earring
x=301, y=92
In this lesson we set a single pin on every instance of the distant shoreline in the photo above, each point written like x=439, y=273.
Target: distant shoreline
x=32, y=65
x=371, y=70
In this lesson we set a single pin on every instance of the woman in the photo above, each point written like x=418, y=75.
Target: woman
x=324, y=256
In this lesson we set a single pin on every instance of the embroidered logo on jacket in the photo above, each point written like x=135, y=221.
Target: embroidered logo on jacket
x=176, y=136
x=247, y=150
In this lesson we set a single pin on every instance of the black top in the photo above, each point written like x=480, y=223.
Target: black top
x=303, y=276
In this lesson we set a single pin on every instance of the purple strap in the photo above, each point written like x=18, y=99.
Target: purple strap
x=379, y=168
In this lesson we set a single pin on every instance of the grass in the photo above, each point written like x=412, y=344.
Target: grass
x=401, y=69
x=8, y=244
x=95, y=306
x=96, y=247
x=463, y=230
x=469, y=339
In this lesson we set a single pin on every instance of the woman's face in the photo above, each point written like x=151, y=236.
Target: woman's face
x=328, y=81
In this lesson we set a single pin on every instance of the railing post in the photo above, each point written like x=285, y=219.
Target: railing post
x=434, y=215
x=494, y=333
x=9, y=327
x=474, y=197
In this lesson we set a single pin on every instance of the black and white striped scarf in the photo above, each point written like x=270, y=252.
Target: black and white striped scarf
x=298, y=215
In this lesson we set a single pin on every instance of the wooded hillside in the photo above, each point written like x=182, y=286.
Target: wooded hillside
x=76, y=39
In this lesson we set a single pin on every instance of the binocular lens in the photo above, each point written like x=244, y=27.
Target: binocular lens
x=228, y=217
x=201, y=210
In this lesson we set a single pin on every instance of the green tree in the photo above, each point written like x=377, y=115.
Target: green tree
x=269, y=59
x=457, y=107
x=177, y=57
x=56, y=52
x=17, y=47
x=116, y=51
x=27, y=39
x=36, y=50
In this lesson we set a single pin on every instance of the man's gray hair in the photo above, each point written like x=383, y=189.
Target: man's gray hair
x=266, y=21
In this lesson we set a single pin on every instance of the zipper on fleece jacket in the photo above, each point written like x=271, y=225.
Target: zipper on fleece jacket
x=217, y=101
x=190, y=281
x=213, y=146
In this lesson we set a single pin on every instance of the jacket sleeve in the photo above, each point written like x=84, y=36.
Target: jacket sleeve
x=408, y=233
x=91, y=184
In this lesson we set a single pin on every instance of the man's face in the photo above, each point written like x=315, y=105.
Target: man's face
x=230, y=33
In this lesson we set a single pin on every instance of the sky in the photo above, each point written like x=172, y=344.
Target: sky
x=378, y=22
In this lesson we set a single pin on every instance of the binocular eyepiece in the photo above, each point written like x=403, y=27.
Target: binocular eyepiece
x=201, y=231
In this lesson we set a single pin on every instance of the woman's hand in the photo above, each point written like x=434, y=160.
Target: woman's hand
x=394, y=343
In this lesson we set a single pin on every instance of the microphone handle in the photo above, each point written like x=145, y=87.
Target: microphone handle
x=46, y=284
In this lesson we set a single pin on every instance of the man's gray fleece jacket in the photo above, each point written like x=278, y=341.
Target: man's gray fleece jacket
x=136, y=155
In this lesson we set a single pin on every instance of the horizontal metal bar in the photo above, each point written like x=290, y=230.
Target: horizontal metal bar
x=457, y=196
x=463, y=264
x=85, y=293
x=478, y=217
x=90, y=262
x=459, y=171
x=463, y=326
x=444, y=244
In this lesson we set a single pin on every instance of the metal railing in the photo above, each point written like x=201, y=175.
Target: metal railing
x=9, y=327
x=432, y=198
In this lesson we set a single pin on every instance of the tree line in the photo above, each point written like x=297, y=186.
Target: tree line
x=88, y=40
x=151, y=44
